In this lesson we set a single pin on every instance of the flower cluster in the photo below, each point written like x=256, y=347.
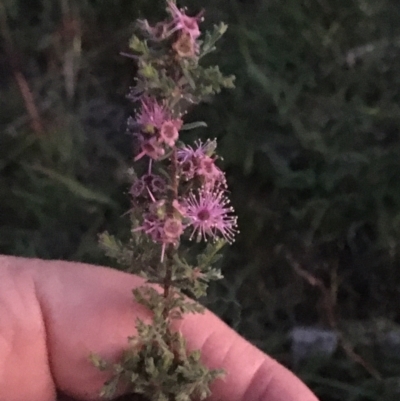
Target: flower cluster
x=194, y=201
x=203, y=210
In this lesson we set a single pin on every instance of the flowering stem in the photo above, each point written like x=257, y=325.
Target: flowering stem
x=191, y=202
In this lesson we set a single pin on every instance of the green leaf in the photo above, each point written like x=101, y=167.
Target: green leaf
x=196, y=124
x=114, y=249
x=189, y=78
x=209, y=256
x=211, y=38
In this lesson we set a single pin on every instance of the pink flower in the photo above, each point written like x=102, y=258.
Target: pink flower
x=137, y=188
x=152, y=226
x=210, y=172
x=198, y=162
x=154, y=182
x=202, y=149
x=163, y=231
x=151, y=148
x=180, y=22
x=210, y=216
x=188, y=169
x=148, y=184
x=183, y=22
x=186, y=154
x=172, y=229
x=169, y=131
x=151, y=115
x=186, y=46
x=155, y=120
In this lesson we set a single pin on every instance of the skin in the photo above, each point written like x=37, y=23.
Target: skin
x=54, y=313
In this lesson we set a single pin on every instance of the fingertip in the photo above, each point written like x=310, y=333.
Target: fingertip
x=250, y=373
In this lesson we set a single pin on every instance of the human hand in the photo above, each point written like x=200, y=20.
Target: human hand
x=53, y=314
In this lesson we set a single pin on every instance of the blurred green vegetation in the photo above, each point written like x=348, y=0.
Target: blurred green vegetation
x=311, y=145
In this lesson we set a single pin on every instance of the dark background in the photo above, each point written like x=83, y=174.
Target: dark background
x=311, y=146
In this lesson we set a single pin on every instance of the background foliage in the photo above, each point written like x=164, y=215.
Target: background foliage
x=310, y=140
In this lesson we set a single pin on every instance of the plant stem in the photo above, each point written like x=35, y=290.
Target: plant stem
x=167, y=286
x=329, y=296
x=170, y=210
x=19, y=77
x=174, y=175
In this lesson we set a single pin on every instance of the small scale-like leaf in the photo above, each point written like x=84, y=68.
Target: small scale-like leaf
x=189, y=78
x=138, y=46
x=98, y=362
